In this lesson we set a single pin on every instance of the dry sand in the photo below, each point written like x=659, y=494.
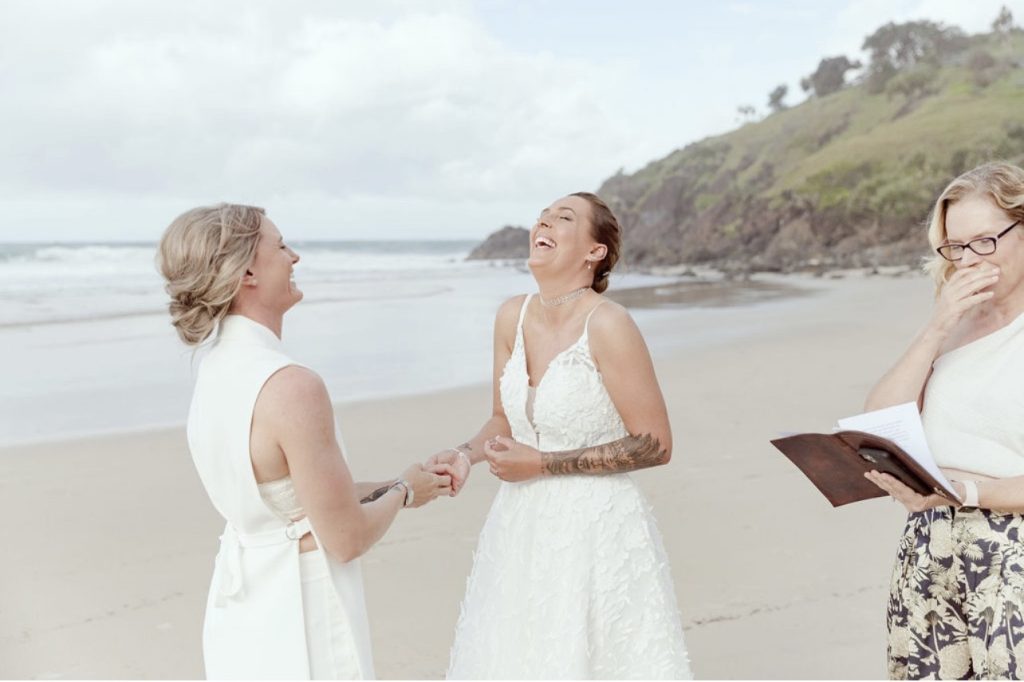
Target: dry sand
x=109, y=541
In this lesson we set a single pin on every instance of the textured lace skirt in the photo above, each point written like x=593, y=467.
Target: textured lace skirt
x=570, y=580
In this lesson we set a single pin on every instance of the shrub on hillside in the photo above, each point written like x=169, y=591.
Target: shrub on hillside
x=898, y=47
x=984, y=68
x=914, y=84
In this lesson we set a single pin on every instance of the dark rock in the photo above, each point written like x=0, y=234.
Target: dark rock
x=507, y=243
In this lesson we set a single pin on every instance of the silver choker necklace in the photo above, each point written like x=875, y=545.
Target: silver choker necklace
x=563, y=299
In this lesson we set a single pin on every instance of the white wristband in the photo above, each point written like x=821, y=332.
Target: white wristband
x=410, y=496
x=970, y=493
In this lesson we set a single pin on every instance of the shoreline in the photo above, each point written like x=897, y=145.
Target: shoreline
x=719, y=293
x=712, y=290
x=652, y=304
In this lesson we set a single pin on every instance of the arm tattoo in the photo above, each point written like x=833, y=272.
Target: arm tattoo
x=626, y=454
x=379, y=492
x=466, y=446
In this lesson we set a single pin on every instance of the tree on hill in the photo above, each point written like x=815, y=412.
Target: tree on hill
x=829, y=77
x=1003, y=25
x=897, y=47
x=775, y=98
x=747, y=113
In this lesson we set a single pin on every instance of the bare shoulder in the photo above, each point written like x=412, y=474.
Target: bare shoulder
x=294, y=390
x=611, y=320
x=292, y=407
x=614, y=335
x=508, y=312
x=508, y=316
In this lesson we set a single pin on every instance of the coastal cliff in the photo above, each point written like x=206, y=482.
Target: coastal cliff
x=844, y=179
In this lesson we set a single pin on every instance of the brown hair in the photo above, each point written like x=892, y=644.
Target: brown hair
x=203, y=255
x=604, y=227
x=1002, y=182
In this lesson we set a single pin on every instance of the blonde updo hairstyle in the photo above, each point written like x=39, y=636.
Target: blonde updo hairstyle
x=1001, y=182
x=203, y=255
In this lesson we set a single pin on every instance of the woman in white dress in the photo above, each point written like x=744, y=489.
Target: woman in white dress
x=570, y=578
x=286, y=600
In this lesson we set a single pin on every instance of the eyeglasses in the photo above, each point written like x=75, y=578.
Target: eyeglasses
x=983, y=246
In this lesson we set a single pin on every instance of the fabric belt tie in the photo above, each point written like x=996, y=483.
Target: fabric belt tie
x=230, y=584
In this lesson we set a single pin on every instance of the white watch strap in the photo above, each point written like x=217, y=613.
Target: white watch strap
x=970, y=493
x=409, y=494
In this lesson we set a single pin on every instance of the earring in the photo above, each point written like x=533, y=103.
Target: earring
x=589, y=265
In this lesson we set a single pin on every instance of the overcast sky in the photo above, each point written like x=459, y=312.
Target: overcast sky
x=386, y=119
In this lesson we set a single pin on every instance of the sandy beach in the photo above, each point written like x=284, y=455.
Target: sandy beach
x=109, y=541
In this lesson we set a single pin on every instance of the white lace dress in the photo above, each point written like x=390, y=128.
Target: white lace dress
x=570, y=579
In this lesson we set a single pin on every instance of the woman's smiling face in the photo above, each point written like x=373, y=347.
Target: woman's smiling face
x=561, y=238
x=273, y=267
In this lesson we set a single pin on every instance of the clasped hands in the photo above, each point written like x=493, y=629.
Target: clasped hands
x=507, y=459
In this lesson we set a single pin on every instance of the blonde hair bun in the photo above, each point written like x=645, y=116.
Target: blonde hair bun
x=202, y=256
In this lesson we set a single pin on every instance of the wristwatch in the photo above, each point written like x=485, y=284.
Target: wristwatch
x=970, y=493
x=409, y=494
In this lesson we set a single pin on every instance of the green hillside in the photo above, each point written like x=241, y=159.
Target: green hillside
x=847, y=178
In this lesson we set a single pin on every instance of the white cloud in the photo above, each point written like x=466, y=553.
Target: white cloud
x=398, y=117
x=221, y=100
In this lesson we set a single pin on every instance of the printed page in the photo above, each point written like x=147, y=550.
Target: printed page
x=902, y=425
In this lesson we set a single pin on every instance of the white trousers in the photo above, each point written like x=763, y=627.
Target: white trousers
x=328, y=638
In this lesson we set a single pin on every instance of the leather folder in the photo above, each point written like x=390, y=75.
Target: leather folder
x=836, y=463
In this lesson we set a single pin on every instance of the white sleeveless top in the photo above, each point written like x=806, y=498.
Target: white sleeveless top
x=974, y=402
x=570, y=407
x=254, y=626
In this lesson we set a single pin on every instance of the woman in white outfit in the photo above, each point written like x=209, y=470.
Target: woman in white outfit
x=286, y=600
x=570, y=578
x=956, y=600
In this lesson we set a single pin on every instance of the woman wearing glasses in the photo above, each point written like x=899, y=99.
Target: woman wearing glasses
x=956, y=602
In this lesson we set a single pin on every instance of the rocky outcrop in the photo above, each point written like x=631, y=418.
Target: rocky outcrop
x=507, y=243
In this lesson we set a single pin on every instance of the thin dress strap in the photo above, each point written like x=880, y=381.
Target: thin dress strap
x=586, y=323
x=522, y=313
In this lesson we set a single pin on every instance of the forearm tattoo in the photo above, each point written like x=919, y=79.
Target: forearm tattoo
x=376, y=493
x=626, y=454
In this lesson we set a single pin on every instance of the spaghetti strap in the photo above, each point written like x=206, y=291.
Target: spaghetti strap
x=586, y=324
x=522, y=313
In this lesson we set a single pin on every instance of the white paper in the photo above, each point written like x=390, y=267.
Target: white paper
x=902, y=425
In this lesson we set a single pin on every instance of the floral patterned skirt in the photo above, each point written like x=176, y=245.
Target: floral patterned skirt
x=957, y=595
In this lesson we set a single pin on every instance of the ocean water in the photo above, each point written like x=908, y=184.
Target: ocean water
x=50, y=283
x=86, y=345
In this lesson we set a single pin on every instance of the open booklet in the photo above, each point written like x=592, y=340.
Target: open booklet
x=890, y=440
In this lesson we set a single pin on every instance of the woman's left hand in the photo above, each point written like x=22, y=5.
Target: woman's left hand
x=913, y=501
x=512, y=461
